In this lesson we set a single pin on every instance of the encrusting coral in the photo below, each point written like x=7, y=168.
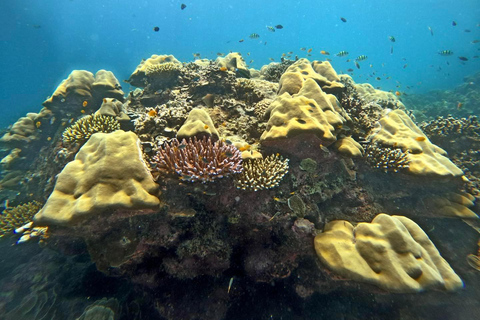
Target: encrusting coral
x=391, y=252
x=15, y=217
x=198, y=159
x=396, y=130
x=108, y=173
x=260, y=174
x=85, y=127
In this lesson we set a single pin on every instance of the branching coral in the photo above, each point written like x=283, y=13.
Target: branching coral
x=83, y=128
x=260, y=174
x=198, y=160
x=387, y=159
x=452, y=126
x=274, y=71
x=13, y=218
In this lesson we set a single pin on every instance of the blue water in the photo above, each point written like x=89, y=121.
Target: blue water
x=43, y=41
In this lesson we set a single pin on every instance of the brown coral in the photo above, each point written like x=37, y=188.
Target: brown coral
x=198, y=160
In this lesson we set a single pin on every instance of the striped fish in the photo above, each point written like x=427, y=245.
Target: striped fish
x=445, y=53
x=361, y=58
x=342, y=54
x=254, y=36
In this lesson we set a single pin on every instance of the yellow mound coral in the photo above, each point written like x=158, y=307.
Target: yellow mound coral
x=198, y=123
x=324, y=68
x=79, y=84
x=391, y=252
x=85, y=127
x=113, y=108
x=157, y=66
x=396, y=130
x=232, y=61
x=455, y=205
x=106, y=85
x=291, y=116
x=108, y=173
x=349, y=147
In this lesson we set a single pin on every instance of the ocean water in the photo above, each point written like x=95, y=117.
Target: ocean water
x=42, y=41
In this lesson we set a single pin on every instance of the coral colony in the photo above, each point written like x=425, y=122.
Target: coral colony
x=215, y=172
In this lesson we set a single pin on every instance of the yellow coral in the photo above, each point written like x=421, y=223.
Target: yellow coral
x=391, y=252
x=197, y=123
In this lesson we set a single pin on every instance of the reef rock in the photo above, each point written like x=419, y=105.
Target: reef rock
x=108, y=173
x=391, y=252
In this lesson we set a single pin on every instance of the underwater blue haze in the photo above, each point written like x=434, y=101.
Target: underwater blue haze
x=43, y=41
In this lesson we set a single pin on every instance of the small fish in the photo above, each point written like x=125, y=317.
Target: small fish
x=251, y=61
x=196, y=55
x=228, y=142
x=82, y=111
x=325, y=53
x=405, y=65
x=279, y=26
x=205, y=127
x=342, y=54
x=309, y=50
x=350, y=70
x=420, y=139
x=445, y=53
x=277, y=213
x=182, y=146
x=254, y=36
x=230, y=285
x=276, y=199
x=378, y=78
x=245, y=148
x=241, y=40
x=357, y=65
x=454, y=23
x=183, y=6
x=223, y=69
x=431, y=30
x=49, y=138
x=475, y=41
x=397, y=93
x=38, y=124
x=152, y=113
x=270, y=28
x=467, y=30
x=156, y=29
x=391, y=38
x=391, y=50
x=271, y=59
x=85, y=103
x=459, y=105
x=324, y=149
x=220, y=54
x=36, y=26
x=303, y=48
x=463, y=58
x=228, y=154
x=205, y=160
x=361, y=58
x=343, y=19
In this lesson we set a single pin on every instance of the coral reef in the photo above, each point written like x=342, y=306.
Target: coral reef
x=108, y=173
x=85, y=127
x=261, y=174
x=198, y=159
x=392, y=252
x=15, y=217
x=298, y=143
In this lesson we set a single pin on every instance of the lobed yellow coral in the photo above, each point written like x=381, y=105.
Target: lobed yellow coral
x=391, y=252
x=260, y=174
x=108, y=173
x=85, y=127
x=397, y=131
x=198, y=123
